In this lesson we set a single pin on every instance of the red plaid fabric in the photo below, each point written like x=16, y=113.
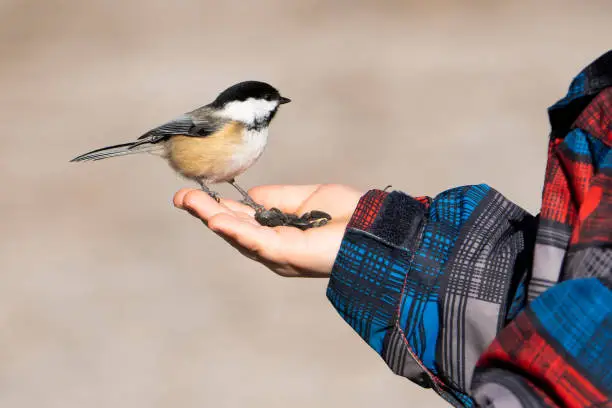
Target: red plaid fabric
x=367, y=210
x=527, y=351
x=594, y=193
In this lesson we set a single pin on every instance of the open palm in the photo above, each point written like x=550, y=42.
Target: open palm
x=288, y=251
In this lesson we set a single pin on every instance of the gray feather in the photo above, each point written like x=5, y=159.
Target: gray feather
x=196, y=124
x=117, y=150
x=199, y=123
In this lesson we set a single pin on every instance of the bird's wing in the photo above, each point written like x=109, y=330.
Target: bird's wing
x=199, y=123
x=186, y=125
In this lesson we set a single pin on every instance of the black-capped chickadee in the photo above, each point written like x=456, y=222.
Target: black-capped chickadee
x=214, y=143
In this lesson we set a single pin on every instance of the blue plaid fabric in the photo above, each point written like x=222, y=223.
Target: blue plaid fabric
x=392, y=276
x=587, y=308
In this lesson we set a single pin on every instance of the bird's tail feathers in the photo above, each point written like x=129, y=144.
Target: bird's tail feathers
x=117, y=150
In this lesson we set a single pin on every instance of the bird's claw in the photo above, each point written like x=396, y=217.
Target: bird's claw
x=214, y=196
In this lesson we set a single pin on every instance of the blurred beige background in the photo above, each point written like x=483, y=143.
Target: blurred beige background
x=109, y=297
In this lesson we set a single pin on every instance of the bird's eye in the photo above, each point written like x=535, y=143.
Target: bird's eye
x=268, y=97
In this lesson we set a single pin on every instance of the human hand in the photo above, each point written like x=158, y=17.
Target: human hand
x=288, y=251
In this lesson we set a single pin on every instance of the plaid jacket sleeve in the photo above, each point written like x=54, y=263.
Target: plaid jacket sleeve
x=468, y=294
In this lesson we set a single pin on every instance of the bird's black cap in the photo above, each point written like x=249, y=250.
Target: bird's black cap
x=249, y=89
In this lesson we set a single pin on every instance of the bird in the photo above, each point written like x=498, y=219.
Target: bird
x=214, y=143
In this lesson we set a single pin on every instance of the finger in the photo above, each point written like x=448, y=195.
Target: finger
x=285, y=198
x=337, y=200
x=238, y=207
x=248, y=217
x=179, y=196
x=251, y=237
x=202, y=205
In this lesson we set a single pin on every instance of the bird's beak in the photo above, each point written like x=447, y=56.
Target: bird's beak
x=284, y=100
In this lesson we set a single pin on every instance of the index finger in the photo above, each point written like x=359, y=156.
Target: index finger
x=200, y=203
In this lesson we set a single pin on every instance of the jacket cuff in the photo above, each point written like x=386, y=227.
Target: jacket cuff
x=369, y=275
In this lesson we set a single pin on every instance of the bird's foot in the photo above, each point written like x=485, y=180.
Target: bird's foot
x=248, y=201
x=213, y=194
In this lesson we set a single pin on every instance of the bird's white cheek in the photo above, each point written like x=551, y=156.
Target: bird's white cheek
x=249, y=111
